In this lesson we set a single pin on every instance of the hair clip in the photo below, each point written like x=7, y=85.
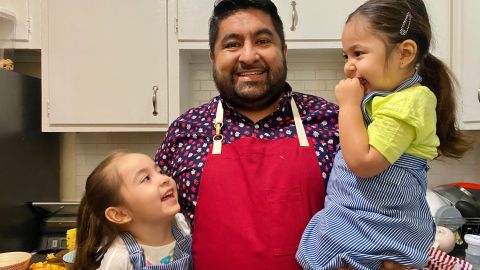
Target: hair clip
x=406, y=24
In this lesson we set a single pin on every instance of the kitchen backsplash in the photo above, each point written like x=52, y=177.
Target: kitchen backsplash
x=309, y=72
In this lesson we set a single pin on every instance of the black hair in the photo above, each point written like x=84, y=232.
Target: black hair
x=225, y=8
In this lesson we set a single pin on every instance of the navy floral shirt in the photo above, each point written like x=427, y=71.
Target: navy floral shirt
x=189, y=138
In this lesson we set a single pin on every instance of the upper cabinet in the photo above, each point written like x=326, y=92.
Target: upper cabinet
x=308, y=24
x=104, y=65
x=26, y=16
x=466, y=56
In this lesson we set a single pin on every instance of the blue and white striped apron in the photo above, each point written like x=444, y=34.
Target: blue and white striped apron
x=368, y=220
x=182, y=258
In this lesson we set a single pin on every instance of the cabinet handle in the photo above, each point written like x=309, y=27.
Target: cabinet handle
x=154, y=100
x=478, y=95
x=294, y=16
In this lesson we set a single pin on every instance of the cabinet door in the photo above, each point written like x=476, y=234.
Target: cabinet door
x=307, y=24
x=314, y=19
x=101, y=60
x=20, y=10
x=466, y=56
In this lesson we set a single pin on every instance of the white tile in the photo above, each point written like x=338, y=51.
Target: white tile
x=304, y=75
x=326, y=74
x=314, y=85
x=138, y=137
x=119, y=137
x=86, y=148
x=298, y=86
x=328, y=95
x=91, y=137
x=195, y=85
x=207, y=85
x=201, y=75
x=290, y=76
x=106, y=148
x=201, y=95
x=156, y=137
x=330, y=85
x=293, y=67
x=91, y=161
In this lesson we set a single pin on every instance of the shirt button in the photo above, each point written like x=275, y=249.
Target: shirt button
x=256, y=126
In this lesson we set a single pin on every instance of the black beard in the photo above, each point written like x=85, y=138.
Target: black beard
x=229, y=91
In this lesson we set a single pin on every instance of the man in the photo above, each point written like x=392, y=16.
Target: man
x=251, y=165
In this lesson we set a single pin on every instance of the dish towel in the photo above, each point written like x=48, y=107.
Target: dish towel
x=440, y=260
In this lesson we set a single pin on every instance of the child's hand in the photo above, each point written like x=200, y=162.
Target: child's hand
x=349, y=92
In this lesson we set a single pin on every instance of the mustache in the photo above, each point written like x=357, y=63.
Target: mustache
x=245, y=68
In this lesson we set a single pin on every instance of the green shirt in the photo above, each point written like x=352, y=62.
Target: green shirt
x=404, y=122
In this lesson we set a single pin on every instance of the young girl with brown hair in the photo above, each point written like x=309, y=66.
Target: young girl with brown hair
x=127, y=218
x=397, y=111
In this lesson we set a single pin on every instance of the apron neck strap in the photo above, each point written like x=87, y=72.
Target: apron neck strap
x=218, y=137
x=135, y=251
x=302, y=137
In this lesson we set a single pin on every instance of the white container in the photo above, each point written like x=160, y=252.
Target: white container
x=472, y=253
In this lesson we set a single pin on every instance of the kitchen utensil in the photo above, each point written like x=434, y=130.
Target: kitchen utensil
x=14, y=260
x=68, y=259
x=472, y=253
x=467, y=209
x=454, y=193
x=449, y=217
x=434, y=201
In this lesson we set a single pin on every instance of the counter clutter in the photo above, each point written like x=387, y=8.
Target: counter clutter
x=62, y=260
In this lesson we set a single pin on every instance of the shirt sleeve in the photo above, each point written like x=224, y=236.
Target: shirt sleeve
x=116, y=259
x=164, y=155
x=399, y=120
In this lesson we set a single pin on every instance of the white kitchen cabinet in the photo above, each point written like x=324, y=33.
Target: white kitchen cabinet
x=27, y=22
x=100, y=63
x=466, y=56
x=313, y=24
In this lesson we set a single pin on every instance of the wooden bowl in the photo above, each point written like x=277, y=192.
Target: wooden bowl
x=14, y=260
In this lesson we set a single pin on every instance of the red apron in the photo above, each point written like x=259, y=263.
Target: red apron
x=255, y=199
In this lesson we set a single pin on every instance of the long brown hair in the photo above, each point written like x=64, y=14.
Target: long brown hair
x=387, y=17
x=95, y=234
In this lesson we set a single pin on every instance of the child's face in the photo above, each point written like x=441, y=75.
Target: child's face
x=149, y=194
x=366, y=59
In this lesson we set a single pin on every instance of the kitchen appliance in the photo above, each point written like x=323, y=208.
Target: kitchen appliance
x=29, y=162
x=58, y=217
x=456, y=207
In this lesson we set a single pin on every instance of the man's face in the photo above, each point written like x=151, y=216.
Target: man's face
x=249, y=66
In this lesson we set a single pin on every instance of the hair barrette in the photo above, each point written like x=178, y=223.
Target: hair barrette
x=406, y=24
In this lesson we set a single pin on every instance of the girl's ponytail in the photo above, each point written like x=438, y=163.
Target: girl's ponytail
x=94, y=237
x=88, y=238
x=440, y=80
